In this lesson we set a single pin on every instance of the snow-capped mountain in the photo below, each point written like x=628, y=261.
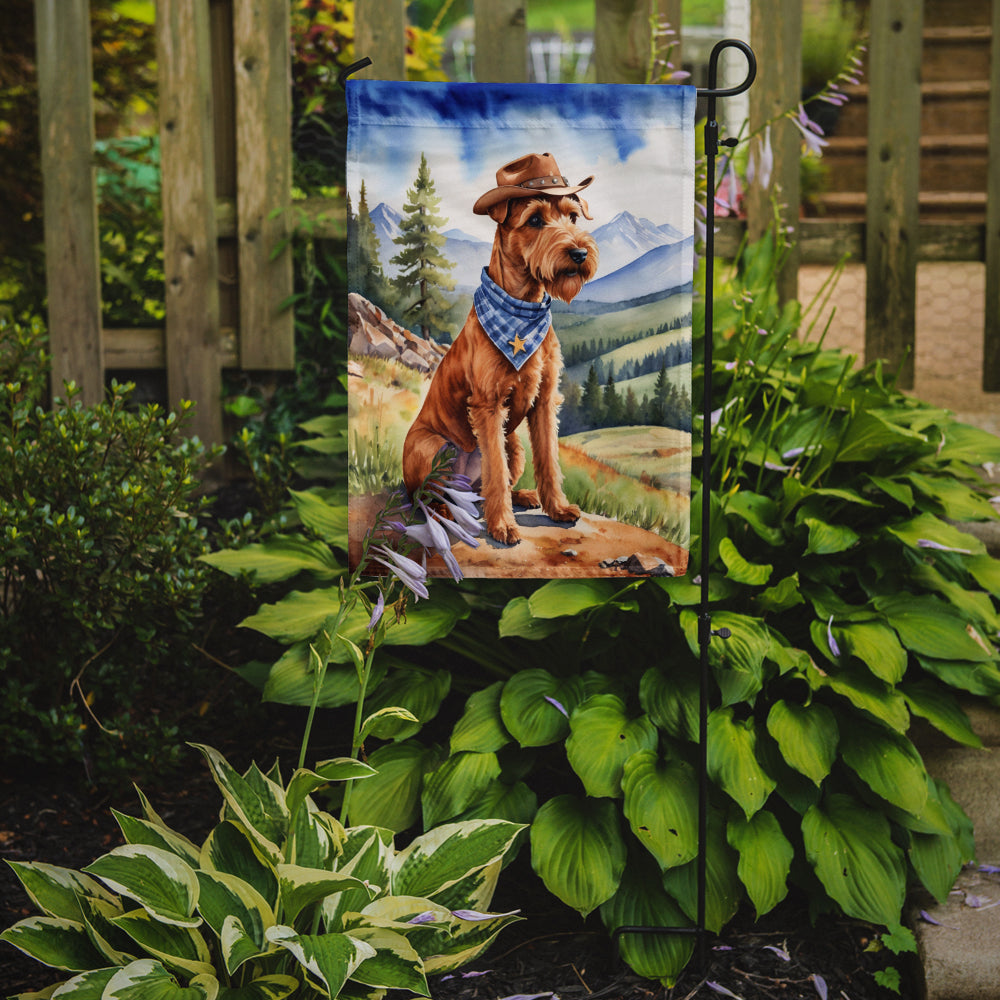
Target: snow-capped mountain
x=626, y=238
x=657, y=270
x=386, y=222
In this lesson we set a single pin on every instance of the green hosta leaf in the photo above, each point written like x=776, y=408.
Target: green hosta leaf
x=807, y=736
x=937, y=858
x=304, y=782
x=928, y=528
x=180, y=948
x=765, y=858
x=54, y=941
x=975, y=605
x=957, y=501
x=732, y=760
x=141, y=831
x=528, y=710
x=395, y=964
x=456, y=784
x=976, y=678
x=760, y=512
x=783, y=595
x=850, y=847
x=301, y=887
x=739, y=569
x=602, y=738
x=723, y=889
x=147, y=979
x=159, y=881
x=275, y=987
x=327, y=520
x=864, y=691
x=671, y=699
x=738, y=661
x=292, y=680
x=578, y=851
x=415, y=689
x=260, y=809
x=441, y=857
x=517, y=620
x=986, y=572
x=224, y=898
x=56, y=891
x=641, y=901
x=965, y=443
x=661, y=798
x=516, y=803
x=931, y=628
x=870, y=436
x=828, y=539
x=560, y=598
x=876, y=646
x=941, y=709
x=888, y=763
x=279, y=558
x=481, y=728
x=230, y=849
x=330, y=959
x=391, y=798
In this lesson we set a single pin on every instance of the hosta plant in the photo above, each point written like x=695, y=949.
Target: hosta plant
x=279, y=900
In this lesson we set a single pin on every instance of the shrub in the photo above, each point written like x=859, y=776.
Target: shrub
x=99, y=540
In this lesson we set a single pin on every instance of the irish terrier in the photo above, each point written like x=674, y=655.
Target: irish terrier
x=505, y=363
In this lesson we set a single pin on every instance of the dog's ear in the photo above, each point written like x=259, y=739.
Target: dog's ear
x=584, y=207
x=499, y=211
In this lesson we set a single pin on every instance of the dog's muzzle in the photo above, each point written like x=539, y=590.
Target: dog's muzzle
x=578, y=255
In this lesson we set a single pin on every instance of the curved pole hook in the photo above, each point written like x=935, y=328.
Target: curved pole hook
x=713, y=69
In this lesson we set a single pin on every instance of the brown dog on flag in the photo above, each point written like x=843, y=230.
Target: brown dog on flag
x=505, y=363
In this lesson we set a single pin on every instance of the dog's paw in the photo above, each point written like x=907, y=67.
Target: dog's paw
x=564, y=512
x=525, y=498
x=504, y=531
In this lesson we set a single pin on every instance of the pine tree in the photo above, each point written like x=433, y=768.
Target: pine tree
x=590, y=401
x=369, y=278
x=612, y=404
x=423, y=267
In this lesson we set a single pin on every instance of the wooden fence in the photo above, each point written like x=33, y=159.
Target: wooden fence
x=226, y=161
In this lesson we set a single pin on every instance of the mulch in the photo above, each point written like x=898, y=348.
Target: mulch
x=551, y=952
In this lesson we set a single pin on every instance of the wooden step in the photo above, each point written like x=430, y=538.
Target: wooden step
x=958, y=206
x=945, y=12
x=956, y=53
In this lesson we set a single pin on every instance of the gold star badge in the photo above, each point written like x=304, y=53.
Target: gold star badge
x=517, y=344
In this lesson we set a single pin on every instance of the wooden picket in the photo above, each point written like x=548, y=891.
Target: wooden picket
x=226, y=160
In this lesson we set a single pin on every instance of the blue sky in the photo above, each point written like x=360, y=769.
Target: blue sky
x=637, y=141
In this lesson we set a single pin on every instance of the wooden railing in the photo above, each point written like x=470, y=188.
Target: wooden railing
x=226, y=161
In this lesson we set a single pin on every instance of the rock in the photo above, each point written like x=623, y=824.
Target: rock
x=373, y=334
x=640, y=564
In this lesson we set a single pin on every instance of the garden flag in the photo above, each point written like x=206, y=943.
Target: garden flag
x=521, y=263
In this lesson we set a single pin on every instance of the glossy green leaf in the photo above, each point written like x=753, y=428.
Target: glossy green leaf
x=866, y=692
x=602, y=738
x=851, y=850
x=986, y=571
x=941, y=709
x=160, y=882
x=871, y=435
x=928, y=528
x=329, y=958
x=54, y=941
x=456, y=784
x=391, y=798
x=385, y=723
x=560, y=598
x=327, y=520
x=738, y=661
x=661, y=806
x=827, y=539
x=418, y=690
x=147, y=979
x=888, y=763
x=670, y=698
x=535, y=706
x=765, y=858
x=481, y=727
x=578, y=851
x=739, y=569
x=785, y=594
x=807, y=736
x=876, y=646
x=516, y=803
x=976, y=678
x=956, y=500
x=281, y=557
x=291, y=680
x=304, y=782
x=516, y=620
x=930, y=627
x=732, y=760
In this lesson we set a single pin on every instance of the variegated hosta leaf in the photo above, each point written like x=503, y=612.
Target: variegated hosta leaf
x=367, y=853
x=328, y=959
x=642, y=902
x=441, y=857
x=300, y=887
x=578, y=851
x=158, y=880
x=417, y=690
x=468, y=939
x=230, y=849
x=661, y=800
x=141, y=831
x=765, y=858
x=315, y=838
x=56, y=891
x=225, y=897
x=256, y=801
x=116, y=947
x=456, y=784
x=177, y=947
x=149, y=980
x=602, y=737
x=304, y=782
x=395, y=964
x=807, y=736
x=850, y=847
x=54, y=941
x=274, y=987
x=535, y=706
x=476, y=890
x=732, y=760
x=481, y=727
x=86, y=986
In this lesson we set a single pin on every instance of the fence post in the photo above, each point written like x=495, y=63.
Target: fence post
x=893, y=183
x=623, y=37
x=776, y=34
x=501, y=37
x=991, y=332
x=72, y=255
x=380, y=34
x=190, y=251
x=262, y=61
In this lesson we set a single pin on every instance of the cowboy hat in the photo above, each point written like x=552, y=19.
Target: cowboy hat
x=536, y=173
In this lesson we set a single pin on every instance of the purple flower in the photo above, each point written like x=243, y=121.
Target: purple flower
x=411, y=574
x=761, y=163
x=834, y=648
x=432, y=535
x=811, y=132
x=475, y=915
x=927, y=543
x=780, y=952
x=719, y=988
x=427, y=917
x=552, y=701
x=820, y=983
x=377, y=611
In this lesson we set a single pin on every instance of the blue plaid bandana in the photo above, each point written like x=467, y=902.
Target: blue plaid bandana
x=517, y=328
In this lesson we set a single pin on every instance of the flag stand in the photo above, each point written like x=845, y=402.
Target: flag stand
x=705, y=630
